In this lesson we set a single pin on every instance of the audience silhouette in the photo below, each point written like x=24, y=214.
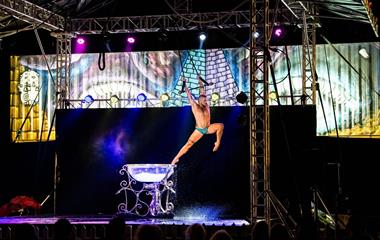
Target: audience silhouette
x=25, y=231
x=195, y=231
x=279, y=232
x=115, y=229
x=260, y=231
x=221, y=234
x=63, y=230
x=148, y=232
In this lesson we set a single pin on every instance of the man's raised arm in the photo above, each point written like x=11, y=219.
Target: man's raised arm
x=188, y=93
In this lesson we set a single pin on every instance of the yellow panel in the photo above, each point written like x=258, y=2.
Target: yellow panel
x=14, y=112
x=24, y=136
x=15, y=100
x=36, y=109
x=14, y=134
x=16, y=74
x=13, y=87
x=32, y=136
x=16, y=124
x=26, y=126
x=46, y=133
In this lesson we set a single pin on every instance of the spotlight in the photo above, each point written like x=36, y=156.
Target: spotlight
x=80, y=41
x=272, y=95
x=242, y=97
x=88, y=99
x=141, y=97
x=164, y=97
x=202, y=36
x=114, y=99
x=131, y=40
x=278, y=32
x=363, y=52
x=256, y=35
x=215, y=97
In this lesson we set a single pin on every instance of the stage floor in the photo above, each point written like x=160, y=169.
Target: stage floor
x=136, y=221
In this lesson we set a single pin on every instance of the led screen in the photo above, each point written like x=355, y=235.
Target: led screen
x=347, y=98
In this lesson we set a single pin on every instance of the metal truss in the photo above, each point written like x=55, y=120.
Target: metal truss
x=263, y=201
x=33, y=14
x=372, y=18
x=259, y=113
x=63, y=53
x=171, y=22
x=308, y=61
x=155, y=23
x=305, y=13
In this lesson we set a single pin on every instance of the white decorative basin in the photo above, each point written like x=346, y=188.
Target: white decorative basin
x=150, y=172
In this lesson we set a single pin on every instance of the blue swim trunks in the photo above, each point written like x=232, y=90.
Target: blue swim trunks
x=202, y=130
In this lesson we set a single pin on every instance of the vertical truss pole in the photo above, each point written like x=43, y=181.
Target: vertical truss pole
x=63, y=53
x=308, y=57
x=259, y=114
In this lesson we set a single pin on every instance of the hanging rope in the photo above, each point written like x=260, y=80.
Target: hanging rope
x=102, y=54
x=102, y=61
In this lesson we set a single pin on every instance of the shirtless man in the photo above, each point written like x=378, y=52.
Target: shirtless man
x=201, y=112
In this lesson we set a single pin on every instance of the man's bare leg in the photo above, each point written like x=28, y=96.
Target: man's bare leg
x=194, y=137
x=218, y=129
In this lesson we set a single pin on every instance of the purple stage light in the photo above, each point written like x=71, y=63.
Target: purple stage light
x=131, y=40
x=80, y=41
x=278, y=32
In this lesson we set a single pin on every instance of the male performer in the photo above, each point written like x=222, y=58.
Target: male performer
x=201, y=112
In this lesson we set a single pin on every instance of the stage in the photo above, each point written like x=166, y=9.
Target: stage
x=93, y=227
x=129, y=221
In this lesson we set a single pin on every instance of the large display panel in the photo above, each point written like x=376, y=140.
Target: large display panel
x=348, y=80
x=93, y=145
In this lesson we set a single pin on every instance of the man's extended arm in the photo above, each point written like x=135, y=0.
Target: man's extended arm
x=188, y=93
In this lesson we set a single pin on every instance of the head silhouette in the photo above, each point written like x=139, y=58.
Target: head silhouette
x=148, y=232
x=195, y=231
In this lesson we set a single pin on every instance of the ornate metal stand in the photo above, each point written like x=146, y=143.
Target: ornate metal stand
x=149, y=190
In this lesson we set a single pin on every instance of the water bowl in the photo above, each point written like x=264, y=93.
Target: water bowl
x=150, y=172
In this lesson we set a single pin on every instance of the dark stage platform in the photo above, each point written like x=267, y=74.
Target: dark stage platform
x=93, y=227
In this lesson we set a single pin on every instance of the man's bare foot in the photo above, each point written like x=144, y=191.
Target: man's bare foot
x=174, y=161
x=216, y=146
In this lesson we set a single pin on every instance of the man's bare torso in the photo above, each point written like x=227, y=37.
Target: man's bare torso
x=201, y=115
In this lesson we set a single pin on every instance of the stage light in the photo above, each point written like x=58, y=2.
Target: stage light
x=80, y=44
x=272, y=95
x=215, y=97
x=242, y=98
x=114, y=99
x=363, y=52
x=278, y=32
x=164, y=97
x=131, y=40
x=163, y=36
x=88, y=99
x=141, y=97
x=202, y=36
x=256, y=35
x=80, y=41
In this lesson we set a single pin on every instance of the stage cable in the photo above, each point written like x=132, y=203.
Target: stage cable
x=338, y=160
x=42, y=150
